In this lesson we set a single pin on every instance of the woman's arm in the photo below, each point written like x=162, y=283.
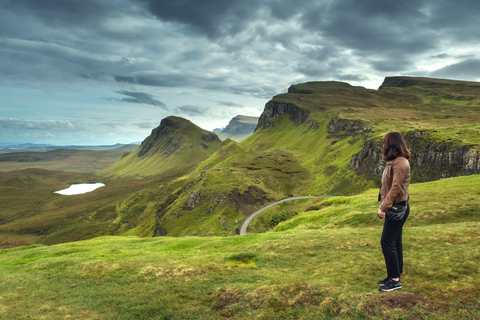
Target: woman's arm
x=399, y=172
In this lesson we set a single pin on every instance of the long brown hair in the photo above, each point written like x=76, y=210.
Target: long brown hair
x=394, y=146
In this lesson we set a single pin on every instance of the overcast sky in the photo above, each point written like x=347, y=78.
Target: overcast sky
x=107, y=71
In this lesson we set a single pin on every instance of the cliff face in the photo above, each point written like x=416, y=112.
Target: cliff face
x=239, y=128
x=273, y=110
x=345, y=125
x=430, y=160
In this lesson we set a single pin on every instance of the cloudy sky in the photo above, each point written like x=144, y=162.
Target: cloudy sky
x=107, y=71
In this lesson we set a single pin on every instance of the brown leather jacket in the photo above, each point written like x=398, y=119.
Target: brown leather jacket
x=395, y=181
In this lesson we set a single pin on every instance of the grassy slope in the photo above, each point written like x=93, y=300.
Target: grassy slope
x=32, y=213
x=324, y=265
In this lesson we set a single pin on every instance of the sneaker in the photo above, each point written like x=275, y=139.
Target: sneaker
x=391, y=285
x=383, y=281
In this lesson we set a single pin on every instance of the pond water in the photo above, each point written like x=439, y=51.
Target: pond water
x=80, y=188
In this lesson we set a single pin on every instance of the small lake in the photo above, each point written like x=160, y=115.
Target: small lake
x=80, y=188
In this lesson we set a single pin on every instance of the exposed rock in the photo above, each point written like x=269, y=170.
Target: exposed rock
x=345, y=125
x=252, y=196
x=369, y=161
x=294, y=89
x=314, y=125
x=273, y=110
x=210, y=137
x=431, y=160
x=166, y=126
x=194, y=200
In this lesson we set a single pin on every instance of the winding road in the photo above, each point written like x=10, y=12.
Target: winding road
x=243, y=229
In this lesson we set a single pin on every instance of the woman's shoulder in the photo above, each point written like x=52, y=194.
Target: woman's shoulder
x=400, y=161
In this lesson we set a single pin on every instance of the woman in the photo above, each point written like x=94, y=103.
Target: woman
x=394, y=190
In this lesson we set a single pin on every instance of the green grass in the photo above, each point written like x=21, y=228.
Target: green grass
x=443, y=201
x=320, y=264
x=307, y=274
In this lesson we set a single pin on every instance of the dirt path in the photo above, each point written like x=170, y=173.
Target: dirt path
x=243, y=229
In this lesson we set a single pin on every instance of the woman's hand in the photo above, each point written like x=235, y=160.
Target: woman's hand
x=381, y=214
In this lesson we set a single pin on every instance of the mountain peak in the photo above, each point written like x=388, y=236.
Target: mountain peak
x=166, y=136
x=175, y=145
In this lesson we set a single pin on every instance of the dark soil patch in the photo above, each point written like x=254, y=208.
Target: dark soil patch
x=392, y=300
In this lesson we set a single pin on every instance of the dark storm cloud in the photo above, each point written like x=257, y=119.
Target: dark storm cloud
x=140, y=97
x=243, y=47
x=465, y=70
x=211, y=17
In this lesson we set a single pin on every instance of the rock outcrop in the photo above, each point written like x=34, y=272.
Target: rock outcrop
x=431, y=160
x=273, y=110
x=337, y=125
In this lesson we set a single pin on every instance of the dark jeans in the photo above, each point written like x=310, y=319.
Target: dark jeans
x=392, y=245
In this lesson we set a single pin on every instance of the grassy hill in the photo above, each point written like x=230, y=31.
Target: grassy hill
x=176, y=145
x=321, y=265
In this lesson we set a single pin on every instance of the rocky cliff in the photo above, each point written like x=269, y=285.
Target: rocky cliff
x=431, y=160
x=337, y=125
x=239, y=128
x=273, y=110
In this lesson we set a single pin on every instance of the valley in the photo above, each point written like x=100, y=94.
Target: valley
x=162, y=233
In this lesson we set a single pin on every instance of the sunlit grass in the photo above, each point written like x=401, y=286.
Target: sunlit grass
x=306, y=274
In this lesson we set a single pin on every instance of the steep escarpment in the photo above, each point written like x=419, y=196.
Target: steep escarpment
x=273, y=110
x=431, y=159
